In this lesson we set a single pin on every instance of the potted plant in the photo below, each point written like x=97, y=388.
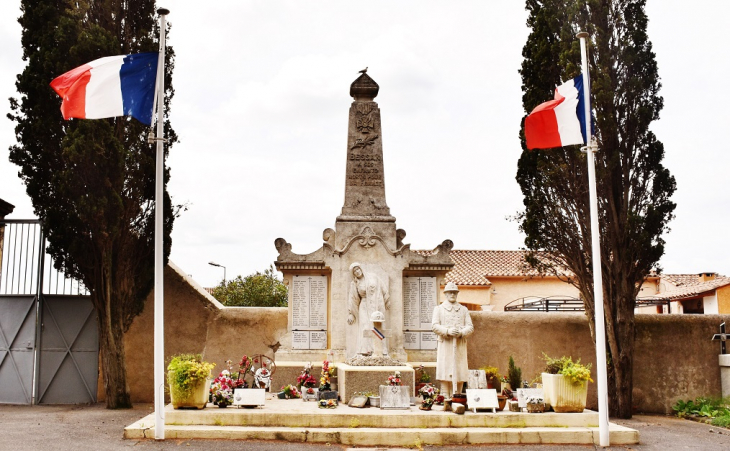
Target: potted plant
x=565, y=384
x=187, y=376
x=493, y=377
x=514, y=375
x=422, y=378
x=428, y=393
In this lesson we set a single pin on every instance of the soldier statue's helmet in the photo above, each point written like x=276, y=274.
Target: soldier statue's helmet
x=451, y=286
x=377, y=317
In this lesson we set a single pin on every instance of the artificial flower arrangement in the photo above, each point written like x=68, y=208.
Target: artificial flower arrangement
x=439, y=400
x=327, y=403
x=221, y=390
x=305, y=379
x=290, y=392
x=327, y=372
x=394, y=379
x=429, y=393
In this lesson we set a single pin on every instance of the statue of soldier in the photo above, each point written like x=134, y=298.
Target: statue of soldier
x=452, y=324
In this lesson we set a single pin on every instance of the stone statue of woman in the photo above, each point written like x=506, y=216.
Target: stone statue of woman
x=367, y=295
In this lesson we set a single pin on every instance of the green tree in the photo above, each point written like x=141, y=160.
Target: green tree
x=261, y=289
x=633, y=187
x=92, y=182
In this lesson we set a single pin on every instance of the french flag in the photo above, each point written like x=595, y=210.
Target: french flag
x=559, y=122
x=122, y=85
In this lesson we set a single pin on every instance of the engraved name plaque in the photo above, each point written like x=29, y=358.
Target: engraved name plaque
x=309, y=312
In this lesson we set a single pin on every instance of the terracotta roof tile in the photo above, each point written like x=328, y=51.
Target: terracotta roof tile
x=688, y=286
x=474, y=267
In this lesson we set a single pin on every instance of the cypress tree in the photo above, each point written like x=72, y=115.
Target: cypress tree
x=92, y=182
x=634, y=188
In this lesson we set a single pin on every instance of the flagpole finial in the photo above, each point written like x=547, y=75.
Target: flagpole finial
x=163, y=11
x=582, y=34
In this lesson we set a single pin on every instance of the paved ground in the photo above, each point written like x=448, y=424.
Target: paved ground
x=93, y=427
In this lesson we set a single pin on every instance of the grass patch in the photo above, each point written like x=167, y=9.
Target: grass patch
x=711, y=410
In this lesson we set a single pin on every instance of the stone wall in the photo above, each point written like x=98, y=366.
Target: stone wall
x=674, y=357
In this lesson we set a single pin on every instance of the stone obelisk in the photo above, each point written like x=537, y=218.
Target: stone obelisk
x=365, y=178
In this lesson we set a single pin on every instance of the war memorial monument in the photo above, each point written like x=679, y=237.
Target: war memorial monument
x=368, y=303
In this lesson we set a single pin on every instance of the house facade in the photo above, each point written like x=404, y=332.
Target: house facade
x=503, y=281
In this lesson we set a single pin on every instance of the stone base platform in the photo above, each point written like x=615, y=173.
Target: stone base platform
x=298, y=421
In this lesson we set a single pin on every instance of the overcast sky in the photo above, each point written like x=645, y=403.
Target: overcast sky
x=261, y=108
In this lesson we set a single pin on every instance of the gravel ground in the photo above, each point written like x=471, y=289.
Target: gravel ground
x=93, y=427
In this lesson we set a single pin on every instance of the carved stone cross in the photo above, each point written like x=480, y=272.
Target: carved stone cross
x=722, y=336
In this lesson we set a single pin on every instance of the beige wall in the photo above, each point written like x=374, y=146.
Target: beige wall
x=723, y=300
x=477, y=296
x=194, y=322
x=510, y=288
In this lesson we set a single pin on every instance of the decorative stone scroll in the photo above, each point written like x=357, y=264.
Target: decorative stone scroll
x=309, y=312
x=420, y=296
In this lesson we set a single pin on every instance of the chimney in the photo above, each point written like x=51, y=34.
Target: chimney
x=707, y=276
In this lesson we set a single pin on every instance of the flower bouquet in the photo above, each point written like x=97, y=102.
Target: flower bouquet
x=222, y=389
x=428, y=392
x=394, y=379
x=324, y=379
x=289, y=392
x=307, y=383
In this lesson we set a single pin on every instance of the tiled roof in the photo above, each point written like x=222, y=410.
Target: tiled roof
x=686, y=286
x=475, y=267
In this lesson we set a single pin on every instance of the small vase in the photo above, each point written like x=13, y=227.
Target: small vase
x=222, y=405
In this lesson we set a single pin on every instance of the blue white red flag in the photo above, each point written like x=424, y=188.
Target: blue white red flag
x=558, y=122
x=378, y=333
x=122, y=85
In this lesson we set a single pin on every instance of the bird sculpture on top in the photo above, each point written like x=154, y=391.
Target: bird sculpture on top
x=364, y=71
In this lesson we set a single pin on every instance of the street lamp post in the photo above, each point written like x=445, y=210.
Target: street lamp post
x=220, y=266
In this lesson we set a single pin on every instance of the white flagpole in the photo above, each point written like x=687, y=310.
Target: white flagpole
x=591, y=149
x=159, y=364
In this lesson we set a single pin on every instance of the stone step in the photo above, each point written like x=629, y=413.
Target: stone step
x=297, y=413
x=392, y=437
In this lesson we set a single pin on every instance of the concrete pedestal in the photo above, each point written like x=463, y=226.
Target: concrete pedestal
x=725, y=373
x=354, y=379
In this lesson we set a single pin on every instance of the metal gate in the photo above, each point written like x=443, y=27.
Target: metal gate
x=17, y=346
x=49, y=346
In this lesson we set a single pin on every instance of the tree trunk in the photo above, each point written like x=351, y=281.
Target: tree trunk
x=111, y=344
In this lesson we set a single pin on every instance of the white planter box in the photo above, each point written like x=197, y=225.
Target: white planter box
x=198, y=397
x=562, y=395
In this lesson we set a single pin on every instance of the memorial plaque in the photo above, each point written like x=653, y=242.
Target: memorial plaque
x=419, y=299
x=300, y=339
x=309, y=312
x=477, y=379
x=318, y=340
x=524, y=393
x=249, y=397
x=428, y=296
x=358, y=401
x=482, y=398
x=395, y=397
x=412, y=340
x=300, y=303
x=411, y=300
x=318, y=301
x=429, y=340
